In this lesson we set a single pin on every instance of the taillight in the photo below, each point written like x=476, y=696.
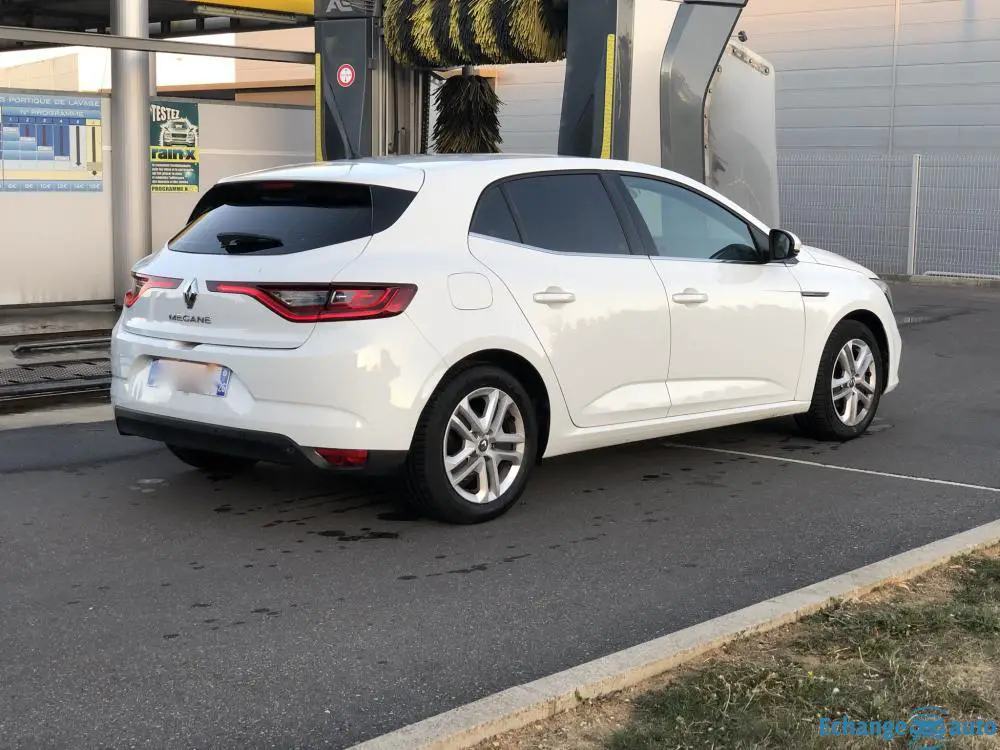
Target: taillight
x=312, y=303
x=142, y=284
x=343, y=458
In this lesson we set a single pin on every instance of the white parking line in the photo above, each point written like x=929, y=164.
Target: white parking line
x=818, y=465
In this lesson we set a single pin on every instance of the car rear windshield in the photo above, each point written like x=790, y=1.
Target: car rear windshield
x=279, y=218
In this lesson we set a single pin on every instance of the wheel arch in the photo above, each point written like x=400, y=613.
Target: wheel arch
x=874, y=323
x=821, y=323
x=522, y=369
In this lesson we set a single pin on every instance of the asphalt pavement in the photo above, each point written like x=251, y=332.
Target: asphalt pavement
x=149, y=606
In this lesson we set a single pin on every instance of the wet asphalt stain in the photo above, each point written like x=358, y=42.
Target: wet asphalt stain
x=343, y=536
x=931, y=314
x=477, y=568
x=876, y=428
x=266, y=611
x=403, y=515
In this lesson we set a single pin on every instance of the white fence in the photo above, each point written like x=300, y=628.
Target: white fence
x=910, y=214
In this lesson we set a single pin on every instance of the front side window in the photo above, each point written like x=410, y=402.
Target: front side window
x=684, y=224
x=569, y=213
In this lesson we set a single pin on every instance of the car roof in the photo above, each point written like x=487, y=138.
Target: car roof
x=473, y=172
x=408, y=172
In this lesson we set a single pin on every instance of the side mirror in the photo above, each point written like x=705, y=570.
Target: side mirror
x=783, y=245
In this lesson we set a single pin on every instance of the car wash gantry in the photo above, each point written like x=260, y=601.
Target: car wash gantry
x=662, y=82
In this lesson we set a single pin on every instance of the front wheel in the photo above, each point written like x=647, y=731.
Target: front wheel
x=474, y=447
x=849, y=385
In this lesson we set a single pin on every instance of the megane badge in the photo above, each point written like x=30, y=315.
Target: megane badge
x=191, y=294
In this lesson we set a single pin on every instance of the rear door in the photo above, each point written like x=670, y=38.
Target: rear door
x=256, y=260
x=600, y=312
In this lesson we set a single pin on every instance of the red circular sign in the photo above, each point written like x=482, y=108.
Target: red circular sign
x=345, y=75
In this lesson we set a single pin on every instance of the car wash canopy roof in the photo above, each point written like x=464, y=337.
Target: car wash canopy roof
x=167, y=18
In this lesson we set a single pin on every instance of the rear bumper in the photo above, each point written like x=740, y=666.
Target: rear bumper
x=355, y=386
x=262, y=446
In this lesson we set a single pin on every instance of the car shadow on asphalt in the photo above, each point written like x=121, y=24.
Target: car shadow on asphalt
x=271, y=497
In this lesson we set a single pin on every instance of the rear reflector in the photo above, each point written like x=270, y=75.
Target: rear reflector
x=313, y=303
x=343, y=458
x=142, y=284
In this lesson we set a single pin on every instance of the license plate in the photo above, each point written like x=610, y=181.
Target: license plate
x=190, y=377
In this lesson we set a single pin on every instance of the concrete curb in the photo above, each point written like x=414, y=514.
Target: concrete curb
x=57, y=417
x=523, y=705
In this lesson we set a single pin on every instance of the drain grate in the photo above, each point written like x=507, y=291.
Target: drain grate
x=97, y=369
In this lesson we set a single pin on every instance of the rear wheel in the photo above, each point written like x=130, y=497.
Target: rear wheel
x=474, y=447
x=848, y=386
x=209, y=461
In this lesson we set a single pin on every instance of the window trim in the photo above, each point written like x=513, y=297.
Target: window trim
x=510, y=210
x=633, y=238
x=759, y=237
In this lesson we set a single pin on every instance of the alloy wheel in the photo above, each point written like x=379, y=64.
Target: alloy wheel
x=854, y=382
x=484, y=445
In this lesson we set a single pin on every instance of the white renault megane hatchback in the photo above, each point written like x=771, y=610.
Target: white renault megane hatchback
x=460, y=318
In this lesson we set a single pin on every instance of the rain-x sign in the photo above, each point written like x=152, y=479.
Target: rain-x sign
x=174, y=158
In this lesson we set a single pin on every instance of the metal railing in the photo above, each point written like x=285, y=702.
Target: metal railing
x=901, y=214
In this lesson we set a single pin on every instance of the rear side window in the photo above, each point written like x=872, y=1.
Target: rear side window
x=567, y=213
x=279, y=218
x=493, y=217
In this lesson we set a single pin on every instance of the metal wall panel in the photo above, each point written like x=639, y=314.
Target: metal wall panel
x=532, y=103
x=937, y=76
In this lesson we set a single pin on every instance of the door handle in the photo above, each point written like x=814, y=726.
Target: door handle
x=690, y=297
x=554, y=296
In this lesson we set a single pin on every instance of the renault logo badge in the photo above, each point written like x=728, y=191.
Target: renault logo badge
x=191, y=294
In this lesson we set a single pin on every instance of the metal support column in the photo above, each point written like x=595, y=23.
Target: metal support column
x=911, y=245
x=132, y=218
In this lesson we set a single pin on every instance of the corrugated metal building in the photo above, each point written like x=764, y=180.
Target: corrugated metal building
x=888, y=75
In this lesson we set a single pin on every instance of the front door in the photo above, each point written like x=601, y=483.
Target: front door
x=737, y=325
x=598, y=310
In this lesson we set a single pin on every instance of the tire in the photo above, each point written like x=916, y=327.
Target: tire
x=830, y=418
x=208, y=461
x=429, y=483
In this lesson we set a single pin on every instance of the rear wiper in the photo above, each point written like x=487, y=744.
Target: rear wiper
x=239, y=242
